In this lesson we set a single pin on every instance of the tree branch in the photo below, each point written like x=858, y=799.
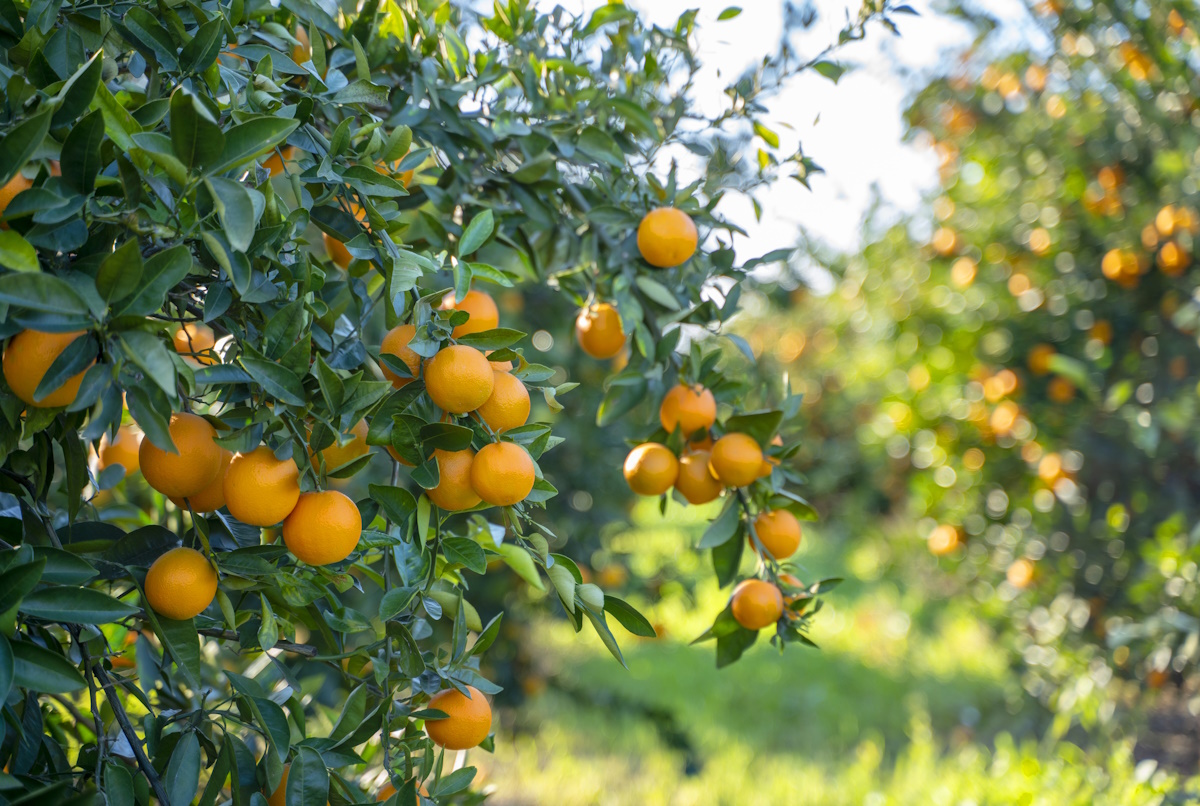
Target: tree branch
x=286, y=646
x=127, y=728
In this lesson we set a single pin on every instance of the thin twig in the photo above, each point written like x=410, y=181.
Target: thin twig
x=286, y=646
x=127, y=728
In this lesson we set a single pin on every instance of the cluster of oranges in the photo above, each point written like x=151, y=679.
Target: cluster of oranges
x=461, y=381
x=666, y=237
x=1168, y=236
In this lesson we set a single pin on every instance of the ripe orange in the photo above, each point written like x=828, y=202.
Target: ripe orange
x=508, y=407
x=482, y=308
x=692, y=408
x=468, y=720
x=696, y=482
x=736, y=460
x=666, y=237
x=396, y=343
x=123, y=450
x=194, y=340
x=651, y=469
x=212, y=497
x=190, y=470
x=180, y=584
x=1060, y=390
x=756, y=604
x=336, y=250
x=1173, y=259
x=502, y=473
x=9, y=192
x=323, y=528
x=337, y=455
x=261, y=490
x=779, y=532
x=459, y=379
x=28, y=356
x=1039, y=358
x=276, y=163
x=454, y=491
x=598, y=330
x=301, y=52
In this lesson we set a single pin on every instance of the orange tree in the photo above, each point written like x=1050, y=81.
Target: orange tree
x=1025, y=378
x=242, y=247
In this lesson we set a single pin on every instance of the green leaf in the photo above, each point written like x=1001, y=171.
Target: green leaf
x=606, y=636
x=183, y=770
x=519, y=560
x=456, y=781
x=18, y=581
x=308, y=779
x=20, y=143
x=600, y=145
x=398, y=503
x=63, y=567
x=81, y=160
x=758, y=425
x=465, y=552
x=657, y=292
x=196, y=138
x=629, y=617
x=120, y=272
x=16, y=253
x=278, y=381
x=395, y=602
x=204, y=47
x=161, y=272
x=148, y=31
x=149, y=353
x=476, y=233
x=362, y=92
x=564, y=584
x=78, y=91
x=398, y=144
x=75, y=605
x=447, y=436
x=235, y=208
x=7, y=668
x=731, y=646
x=768, y=136
x=494, y=339
x=37, y=291
x=248, y=140
x=729, y=13
x=181, y=640
x=830, y=70
x=41, y=670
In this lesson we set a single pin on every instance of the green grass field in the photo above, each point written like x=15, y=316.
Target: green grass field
x=908, y=702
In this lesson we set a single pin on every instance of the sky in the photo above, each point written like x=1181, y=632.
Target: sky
x=854, y=129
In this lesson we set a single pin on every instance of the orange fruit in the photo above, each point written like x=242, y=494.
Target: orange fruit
x=276, y=163
x=193, y=468
x=482, y=308
x=1039, y=358
x=508, y=407
x=212, y=497
x=468, y=720
x=122, y=450
x=392, y=452
x=598, y=330
x=692, y=408
x=502, y=473
x=454, y=491
x=11, y=188
x=194, y=340
x=396, y=343
x=337, y=455
x=696, y=482
x=261, y=490
x=336, y=250
x=756, y=604
x=403, y=177
x=651, y=469
x=779, y=532
x=1173, y=259
x=180, y=584
x=323, y=528
x=459, y=379
x=28, y=356
x=736, y=460
x=666, y=237
x=301, y=52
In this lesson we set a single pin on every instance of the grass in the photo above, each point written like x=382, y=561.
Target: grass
x=909, y=702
